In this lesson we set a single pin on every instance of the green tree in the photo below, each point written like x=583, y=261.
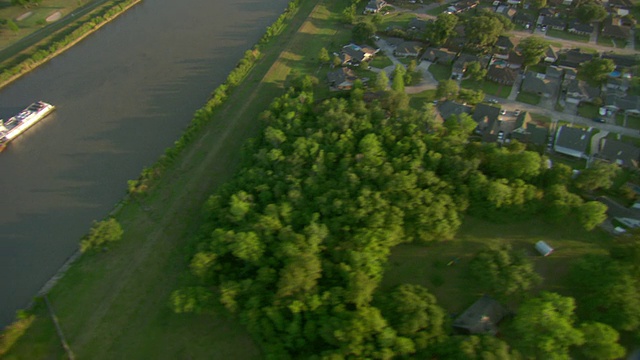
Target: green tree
x=349, y=14
x=363, y=31
x=590, y=11
x=504, y=272
x=397, y=84
x=323, y=56
x=601, y=342
x=533, y=48
x=483, y=30
x=544, y=326
x=591, y=214
x=599, y=175
x=475, y=71
x=447, y=89
x=101, y=233
x=441, y=29
x=13, y=26
x=596, y=71
x=469, y=96
x=382, y=81
x=537, y=4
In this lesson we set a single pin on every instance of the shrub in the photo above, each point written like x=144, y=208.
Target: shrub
x=101, y=233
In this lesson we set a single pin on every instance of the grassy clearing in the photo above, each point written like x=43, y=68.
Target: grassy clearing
x=438, y=10
x=527, y=98
x=633, y=122
x=116, y=303
x=589, y=111
x=540, y=118
x=396, y=19
x=427, y=264
x=32, y=22
x=567, y=35
x=440, y=72
x=417, y=101
x=380, y=61
x=488, y=87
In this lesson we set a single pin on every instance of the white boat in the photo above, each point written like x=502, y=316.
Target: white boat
x=19, y=123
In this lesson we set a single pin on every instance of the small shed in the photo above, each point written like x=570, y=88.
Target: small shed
x=543, y=248
x=481, y=318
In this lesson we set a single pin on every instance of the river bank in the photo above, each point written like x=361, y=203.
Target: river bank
x=122, y=294
x=85, y=15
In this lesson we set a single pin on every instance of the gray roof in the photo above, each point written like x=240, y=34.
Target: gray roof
x=448, y=108
x=621, y=60
x=537, y=83
x=418, y=24
x=619, y=152
x=627, y=103
x=612, y=27
x=340, y=76
x=504, y=42
x=553, y=22
x=579, y=88
x=439, y=55
x=501, y=74
x=486, y=115
x=575, y=139
x=579, y=27
x=573, y=58
x=409, y=47
x=482, y=317
x=522, y=17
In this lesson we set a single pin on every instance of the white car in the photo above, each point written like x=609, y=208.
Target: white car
x=503, y=112
x=602, y=111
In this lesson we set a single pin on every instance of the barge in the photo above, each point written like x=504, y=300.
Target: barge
x=25, y=119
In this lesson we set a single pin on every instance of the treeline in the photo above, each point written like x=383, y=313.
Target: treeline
x=296, y=245
x=205, y=114
x=44, y=52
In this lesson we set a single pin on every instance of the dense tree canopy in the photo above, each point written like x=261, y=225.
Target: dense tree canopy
x=441, y=29
x=596, y=70
x=483, y=30
x=590, y=11
x=533, y=49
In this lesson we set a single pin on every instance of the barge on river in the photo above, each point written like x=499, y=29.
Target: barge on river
x=25, y=119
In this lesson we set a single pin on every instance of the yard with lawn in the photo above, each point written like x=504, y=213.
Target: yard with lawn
x=528, y=98
x=380, y=61
x=589, y=111
x=633, y=122
x=488, y=87
x=440, y=72
x=418, y=101
x=567, y=35
x=442, y=267
x=540, y=118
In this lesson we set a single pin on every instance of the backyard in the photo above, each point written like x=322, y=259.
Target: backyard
x=488, y=87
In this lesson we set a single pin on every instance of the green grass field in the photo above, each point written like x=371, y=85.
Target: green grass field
x=527, y=98
x=417, y=101
x=440, y=72
x=427, y=265
x=567, y=35
x=488, y=87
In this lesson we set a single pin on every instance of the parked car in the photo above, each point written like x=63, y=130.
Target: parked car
x=517, y=112
x=503, y=112
x=600, y=120
x=492, y=101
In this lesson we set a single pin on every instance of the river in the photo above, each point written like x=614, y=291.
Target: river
x=123, y=95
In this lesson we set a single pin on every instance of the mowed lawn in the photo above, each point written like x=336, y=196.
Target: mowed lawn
x=431, y=265
x=115, y=304
x=32, y=19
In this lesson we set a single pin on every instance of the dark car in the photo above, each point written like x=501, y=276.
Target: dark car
x=600, y=120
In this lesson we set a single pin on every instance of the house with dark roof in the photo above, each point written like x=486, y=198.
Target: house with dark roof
x=506, y=11
x=481, y=318
x=462, y=6
x=528, y=131
x=618, y=152
x=409, y=49
x=578, y=91
x=439, y=56
x=504, y=44
x=550, y=55
x=622, y=61
x=539, y=84
x=573, y=58
x=554, y=72
x=547, y=12
x=572, y=141
x=616, y=27
x=448, y=108
x=341, y=79
x=515, y=59
x=502, y=75
x=576, y=27
x=629, y=104
x=617, y=84
x=353, y=54
x=373, y=6
x=553, y=23
x=486, y=116
x=522, y=18
x=460, y=65
x=417, y=24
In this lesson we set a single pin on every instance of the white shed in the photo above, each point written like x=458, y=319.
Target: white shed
x=543, y=248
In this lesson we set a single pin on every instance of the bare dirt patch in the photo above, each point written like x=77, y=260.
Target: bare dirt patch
x=24, y=16
x=54, y=17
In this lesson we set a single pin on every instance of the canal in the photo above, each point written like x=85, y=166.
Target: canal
x=123, y=95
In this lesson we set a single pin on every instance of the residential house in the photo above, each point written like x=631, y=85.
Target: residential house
x=572, y=141
x=481, y=318
x=554, y=72
x=617, y=84
x=573, y=58
x=374, y=6
x=570, y=74
x=449, y=108
x=629, y=104
x=539, y=84
x=547, y=12
x=439, y=56
x=578, y=91
x=462, y=6
x=620, y=7
x=504, y=44
x=550, y=55
x=486, y=116
x=525, y=19
x=618, y=152
x=576, y=27
x=456, y=41
x=553, y=23
x=622, y=61
x=506, y=11
x=409, y=49
x=341, y=79
x=502, y=75
x=515, y=59
x=353, y=54
x=528, y=131
x=460, y=65
x=616, y=27
x=418, y=25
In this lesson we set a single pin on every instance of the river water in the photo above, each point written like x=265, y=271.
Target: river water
x=123, y=95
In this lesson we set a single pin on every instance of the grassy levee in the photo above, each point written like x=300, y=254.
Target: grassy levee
x=114, y=304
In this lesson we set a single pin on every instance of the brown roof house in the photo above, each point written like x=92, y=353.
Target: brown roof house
x=572, y=141
x=481, y=318
x=439, y=56
x=502, y=75
x=540, y=84
x=353, y=54
x=618, y=152
x=616, y=27
x=341, y=79
x=409, y=49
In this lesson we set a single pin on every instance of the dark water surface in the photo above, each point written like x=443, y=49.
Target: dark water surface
x=123, y=95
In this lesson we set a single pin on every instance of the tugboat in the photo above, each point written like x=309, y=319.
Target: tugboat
x=19, y=123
